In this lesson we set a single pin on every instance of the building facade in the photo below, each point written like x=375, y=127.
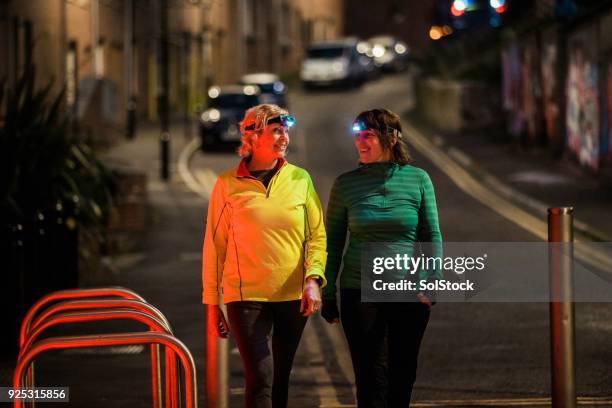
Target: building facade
x=106, y=53
x=407, y=20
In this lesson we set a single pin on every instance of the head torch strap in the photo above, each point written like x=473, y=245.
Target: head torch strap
x=394, y=132
x=360, y=127
x=285, y=120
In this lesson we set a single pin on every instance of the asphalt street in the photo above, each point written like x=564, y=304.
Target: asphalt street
x=471, y=352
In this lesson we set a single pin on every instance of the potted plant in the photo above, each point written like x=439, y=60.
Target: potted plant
x=51, y=186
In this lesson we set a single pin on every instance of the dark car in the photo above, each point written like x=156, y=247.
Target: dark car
x=273, y=90
x=219, y=123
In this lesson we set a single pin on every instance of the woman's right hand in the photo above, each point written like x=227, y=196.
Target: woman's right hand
x=216, y=315
x=330, y=310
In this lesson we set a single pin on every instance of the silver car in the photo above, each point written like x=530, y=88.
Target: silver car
x=333, y=63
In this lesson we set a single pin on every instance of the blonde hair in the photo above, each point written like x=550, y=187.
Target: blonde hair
x=257, y=116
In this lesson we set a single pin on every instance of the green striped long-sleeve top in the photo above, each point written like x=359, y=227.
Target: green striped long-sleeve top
x=377, y=202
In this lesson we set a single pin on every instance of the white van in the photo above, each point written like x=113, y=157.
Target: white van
x=333, y=63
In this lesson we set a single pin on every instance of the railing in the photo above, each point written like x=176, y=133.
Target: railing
x=153, y=322
x=130, y=306
x=118, y=292
x=73, y=294
x=114, y=304
x=125, y=339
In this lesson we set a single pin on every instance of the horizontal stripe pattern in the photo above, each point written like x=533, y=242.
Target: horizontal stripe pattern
x=378, y=202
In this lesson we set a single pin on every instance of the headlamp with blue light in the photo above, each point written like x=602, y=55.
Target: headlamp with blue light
x=285, y=120
x=359, y=126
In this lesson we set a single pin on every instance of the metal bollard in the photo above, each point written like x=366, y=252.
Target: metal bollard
x=561, y=256
x=217, y=364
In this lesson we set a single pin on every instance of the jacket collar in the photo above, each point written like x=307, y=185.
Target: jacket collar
x=243, y=170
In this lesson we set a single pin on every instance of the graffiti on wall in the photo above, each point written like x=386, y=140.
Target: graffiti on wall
x=549, y=89
x=531, y=90
x=511, y=80
x=582, y=116
x=522, y=90
x=607, y=141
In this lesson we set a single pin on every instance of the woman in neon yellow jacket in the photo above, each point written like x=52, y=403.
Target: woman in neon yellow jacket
x=265, y=253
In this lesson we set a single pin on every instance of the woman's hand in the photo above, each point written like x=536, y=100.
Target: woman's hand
x=424, y=299
x=311, y=298
x=330, y=310
x=216, y=315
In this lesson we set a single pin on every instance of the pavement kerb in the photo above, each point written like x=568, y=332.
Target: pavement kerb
x=515, y=196
x=185, y=173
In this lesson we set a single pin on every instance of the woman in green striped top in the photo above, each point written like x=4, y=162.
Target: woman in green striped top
x=384, y=200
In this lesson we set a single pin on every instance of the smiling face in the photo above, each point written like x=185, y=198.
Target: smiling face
x=369, y=148
x=272, y=143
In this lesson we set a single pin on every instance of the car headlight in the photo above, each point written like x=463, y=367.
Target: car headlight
x=214, y=92
x=378, y=51
x=400, y=48
x=338, y=67
x=279, y=87
x=210, y=115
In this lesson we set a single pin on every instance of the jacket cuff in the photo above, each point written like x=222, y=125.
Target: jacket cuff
x=210, y=298
x=318, y=274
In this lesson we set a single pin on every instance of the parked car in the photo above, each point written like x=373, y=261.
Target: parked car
x=219, y=123
x=273, y=90
x=390, y=54
x=333, y=63
x=373, y=71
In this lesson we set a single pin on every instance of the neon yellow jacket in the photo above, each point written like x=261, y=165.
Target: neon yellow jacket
x=260, y=243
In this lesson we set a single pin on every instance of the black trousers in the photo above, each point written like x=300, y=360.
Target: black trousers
x=384, y=341
x=267, y=370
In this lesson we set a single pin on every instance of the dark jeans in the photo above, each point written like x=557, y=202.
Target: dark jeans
x=384, y=341
x=267, y=371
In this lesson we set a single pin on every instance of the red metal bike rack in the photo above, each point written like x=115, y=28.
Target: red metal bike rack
x=125, y=339
x=73, y=294
x=154, y=324
x=125, y=295
x=128, y=304
x=73, y=305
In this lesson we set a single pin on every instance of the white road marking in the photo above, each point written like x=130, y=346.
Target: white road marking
x=503, y=207
x=190, y=256
x=203, y=190
x=510, y=402
x=502, y=402
x=461, y=157
x=206, y=179
x=317, y=370
x=437, y=140
x=341, y=350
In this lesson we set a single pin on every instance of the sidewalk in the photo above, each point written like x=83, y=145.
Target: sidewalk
x=165, y=269
x=529, y=177
x=166, y=272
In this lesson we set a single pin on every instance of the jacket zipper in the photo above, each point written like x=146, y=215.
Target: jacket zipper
x=267, y=189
